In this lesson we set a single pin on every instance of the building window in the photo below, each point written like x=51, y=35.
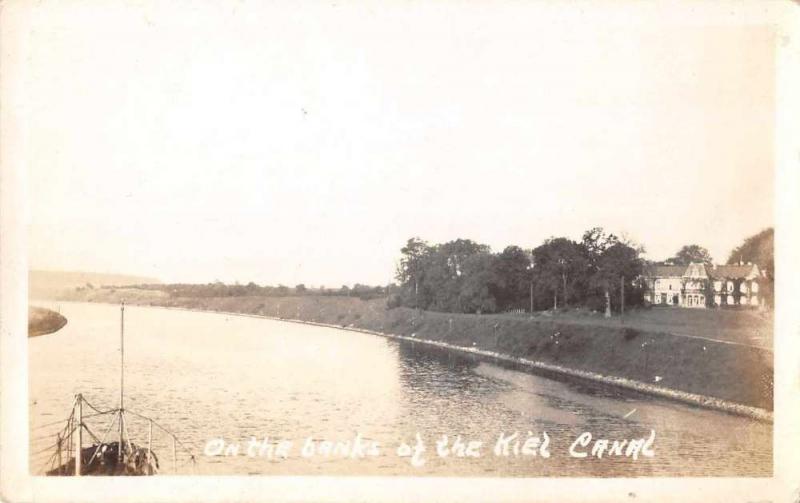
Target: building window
x=754, y=287
x=730, y=300
x=730, y=286
x=718, y=286
x=718, y=300
x=743, y=287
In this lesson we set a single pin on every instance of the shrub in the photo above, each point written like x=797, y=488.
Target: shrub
x=630, y=333
x=394, y=301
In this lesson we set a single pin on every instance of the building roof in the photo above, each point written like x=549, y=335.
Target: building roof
x=664, y=271
x=733, y=271
x=696, y=270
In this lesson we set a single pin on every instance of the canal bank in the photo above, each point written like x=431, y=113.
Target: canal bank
x=660, y=391
x=638, y=386
x=717, y=374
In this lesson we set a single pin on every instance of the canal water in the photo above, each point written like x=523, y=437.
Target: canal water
x=221, y=380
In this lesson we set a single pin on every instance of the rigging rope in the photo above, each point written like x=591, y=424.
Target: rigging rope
x=107, y=411
x=165, y=430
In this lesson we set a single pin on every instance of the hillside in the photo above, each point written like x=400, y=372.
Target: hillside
x=47, y=284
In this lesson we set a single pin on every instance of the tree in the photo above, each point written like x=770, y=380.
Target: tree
x=619, y=263
x=453, y=265
x=437, y=290
x=458, y=251
x=560, y=265
x=692, y=253
x=511, y=278
x=595, y=241
x=475, y=292
x=760, y=250
x=300, y=289
x=409, y=271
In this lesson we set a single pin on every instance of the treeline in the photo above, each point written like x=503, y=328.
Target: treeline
x=597, y=273
x=465, y=276
x=219, y=289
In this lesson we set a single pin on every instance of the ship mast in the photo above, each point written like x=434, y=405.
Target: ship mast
x=120, y=448
x=122, y=356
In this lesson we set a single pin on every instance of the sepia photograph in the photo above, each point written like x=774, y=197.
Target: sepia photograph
x=402, y=246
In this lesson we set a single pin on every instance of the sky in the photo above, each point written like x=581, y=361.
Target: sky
x=284, y=144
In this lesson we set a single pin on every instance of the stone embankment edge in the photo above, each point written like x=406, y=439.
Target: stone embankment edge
x=641, y=387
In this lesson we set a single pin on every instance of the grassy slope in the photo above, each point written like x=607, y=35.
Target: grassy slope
x=645, y=347
x=43, y=321
x=44, y=284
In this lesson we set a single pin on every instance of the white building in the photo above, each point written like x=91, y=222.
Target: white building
x=698, y=285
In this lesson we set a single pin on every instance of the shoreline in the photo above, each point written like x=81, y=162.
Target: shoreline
x=43, y=321
x=696, y=399
x=648, y=389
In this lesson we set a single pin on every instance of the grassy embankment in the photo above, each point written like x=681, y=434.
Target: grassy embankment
x=649, y=346
x=43, y=321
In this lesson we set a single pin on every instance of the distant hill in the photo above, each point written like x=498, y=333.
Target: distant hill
x=43, y=284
